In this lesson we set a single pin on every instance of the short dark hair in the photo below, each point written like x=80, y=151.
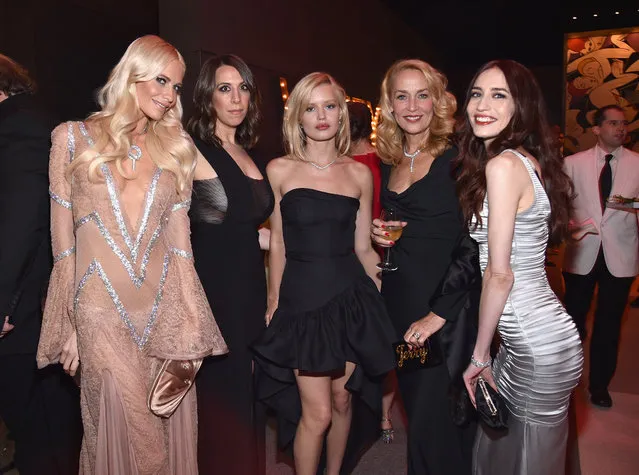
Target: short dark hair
x=14, y=79
x=360, y=118
x=600, y=114
x=202, y=122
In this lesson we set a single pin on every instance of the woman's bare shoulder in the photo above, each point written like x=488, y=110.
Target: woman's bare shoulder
x=279, y=167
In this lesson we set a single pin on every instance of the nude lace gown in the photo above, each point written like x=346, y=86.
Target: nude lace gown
x=133, y=297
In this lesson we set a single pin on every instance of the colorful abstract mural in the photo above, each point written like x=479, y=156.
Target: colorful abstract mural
x=602, y=68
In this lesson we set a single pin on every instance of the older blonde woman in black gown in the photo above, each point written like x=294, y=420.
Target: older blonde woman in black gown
x=428, y=295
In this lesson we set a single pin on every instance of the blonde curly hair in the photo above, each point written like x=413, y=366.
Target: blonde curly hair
x=168, y=145
x=390, y=136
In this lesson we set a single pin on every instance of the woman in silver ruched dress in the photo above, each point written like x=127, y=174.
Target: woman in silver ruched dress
x=515, y=196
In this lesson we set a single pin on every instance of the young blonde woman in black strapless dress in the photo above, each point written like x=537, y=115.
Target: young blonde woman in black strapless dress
x=328, y=332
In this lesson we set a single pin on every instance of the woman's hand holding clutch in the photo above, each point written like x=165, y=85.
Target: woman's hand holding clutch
x=472, y=375
x=419, y=331
x=490, y=405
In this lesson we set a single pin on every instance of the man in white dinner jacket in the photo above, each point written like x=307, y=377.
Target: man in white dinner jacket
x=605, y=251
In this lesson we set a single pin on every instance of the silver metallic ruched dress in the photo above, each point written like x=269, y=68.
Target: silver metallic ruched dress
x=540, y=359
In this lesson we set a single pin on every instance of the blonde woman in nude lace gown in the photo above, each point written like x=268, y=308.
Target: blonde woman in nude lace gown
x=124, y=294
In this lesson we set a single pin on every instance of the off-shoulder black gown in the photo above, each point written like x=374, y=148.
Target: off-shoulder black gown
x=330, y=312
x=426, y=280
x=225, y=215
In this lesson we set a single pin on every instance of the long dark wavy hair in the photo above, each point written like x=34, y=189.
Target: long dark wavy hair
x=528, y=129
x=202, y=122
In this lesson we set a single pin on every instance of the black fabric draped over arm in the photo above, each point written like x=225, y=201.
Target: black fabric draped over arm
x=457, y=300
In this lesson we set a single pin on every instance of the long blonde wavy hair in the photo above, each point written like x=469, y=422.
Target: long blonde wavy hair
x=294, y=136
x=112, y=127
x=390, y=136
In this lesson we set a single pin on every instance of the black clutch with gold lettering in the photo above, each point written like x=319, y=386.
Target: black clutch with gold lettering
x=411, y=359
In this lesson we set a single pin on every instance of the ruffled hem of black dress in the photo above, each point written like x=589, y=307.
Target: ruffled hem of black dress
x=353, y=326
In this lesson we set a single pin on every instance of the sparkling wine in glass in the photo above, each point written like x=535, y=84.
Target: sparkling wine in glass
x=394, y=233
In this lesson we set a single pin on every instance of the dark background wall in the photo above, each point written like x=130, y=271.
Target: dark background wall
x=70, y=45
x=355, y=41
x=469, y=33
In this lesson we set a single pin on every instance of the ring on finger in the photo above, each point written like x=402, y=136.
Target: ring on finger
x=416, y=335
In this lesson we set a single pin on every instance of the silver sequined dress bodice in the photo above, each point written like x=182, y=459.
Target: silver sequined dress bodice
x=540, y=358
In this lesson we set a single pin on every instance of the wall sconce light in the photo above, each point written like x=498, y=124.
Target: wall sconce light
x=374, y=123
x=284, y=91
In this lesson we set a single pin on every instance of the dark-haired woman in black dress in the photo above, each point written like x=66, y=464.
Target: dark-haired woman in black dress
x=231, y=198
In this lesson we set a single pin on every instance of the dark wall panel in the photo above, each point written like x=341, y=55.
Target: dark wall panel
x=70, y=46
x=355, y=41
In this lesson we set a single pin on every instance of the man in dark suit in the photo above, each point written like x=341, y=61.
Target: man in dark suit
x=41, y=408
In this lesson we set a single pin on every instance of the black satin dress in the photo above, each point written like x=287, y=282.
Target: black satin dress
x=329, y=312
x=437, y=264
x=225, y=215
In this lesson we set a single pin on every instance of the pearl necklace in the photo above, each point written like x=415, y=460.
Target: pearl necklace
x=320, y=167
x=412, y=156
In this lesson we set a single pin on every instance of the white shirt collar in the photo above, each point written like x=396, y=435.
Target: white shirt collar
x=601, y=153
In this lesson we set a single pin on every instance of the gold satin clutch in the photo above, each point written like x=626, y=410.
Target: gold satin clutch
x=173, y=381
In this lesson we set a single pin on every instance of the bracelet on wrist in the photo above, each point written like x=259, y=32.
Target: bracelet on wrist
x=480, y=364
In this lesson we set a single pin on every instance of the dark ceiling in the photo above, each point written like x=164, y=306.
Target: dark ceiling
x=467, y=33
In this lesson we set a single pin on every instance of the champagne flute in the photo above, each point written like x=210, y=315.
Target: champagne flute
x=394, y=233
